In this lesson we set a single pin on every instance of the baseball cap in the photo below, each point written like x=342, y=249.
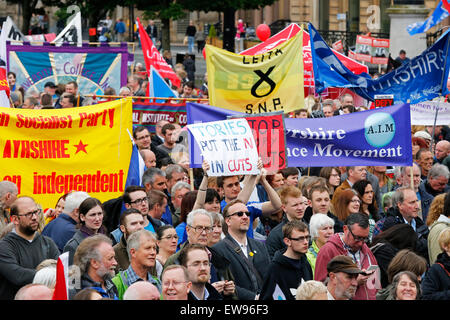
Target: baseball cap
x=50, y=84
x=423, y=134
x=343, y=264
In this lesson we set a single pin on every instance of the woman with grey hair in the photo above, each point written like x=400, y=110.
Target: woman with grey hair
x=405, y=286
x=321, y=229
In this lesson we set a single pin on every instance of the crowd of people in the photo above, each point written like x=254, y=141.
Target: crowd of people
x=343, y=233
x=317, y=233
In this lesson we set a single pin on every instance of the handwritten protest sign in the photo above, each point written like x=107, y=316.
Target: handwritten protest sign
x=228, y=146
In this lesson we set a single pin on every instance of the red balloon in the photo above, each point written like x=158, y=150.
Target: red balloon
x=204, y=53
x=263, y=32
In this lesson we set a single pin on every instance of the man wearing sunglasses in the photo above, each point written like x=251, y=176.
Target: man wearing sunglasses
x=23, y=248
x=288, y=269
x=352, y=242
x=249, y=260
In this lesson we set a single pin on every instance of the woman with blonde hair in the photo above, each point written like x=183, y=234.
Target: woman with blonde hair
x=436, y=209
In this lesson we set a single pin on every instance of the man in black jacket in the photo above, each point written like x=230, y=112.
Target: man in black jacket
x=249, y=260
x=293, y=206
x=405, y=210
x=287, y=270
x=23, y=248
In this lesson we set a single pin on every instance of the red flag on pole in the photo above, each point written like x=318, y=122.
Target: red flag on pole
x=153, y=58
x=62, y=278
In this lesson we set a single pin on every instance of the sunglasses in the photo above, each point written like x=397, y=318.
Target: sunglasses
x=240, y=214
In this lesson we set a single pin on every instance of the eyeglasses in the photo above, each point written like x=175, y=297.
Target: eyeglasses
x=240, y=214
x=30, y=214
x=200, y=229
x=301, y=239
x=356, y=201
x=173, y=283
x=170, y=237
x=358, y=238
x=139, y=201
x=143, y=137
x=197, y=264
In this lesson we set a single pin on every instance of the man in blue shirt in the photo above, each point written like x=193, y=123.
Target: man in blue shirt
x=120, y=30
x=62, y=229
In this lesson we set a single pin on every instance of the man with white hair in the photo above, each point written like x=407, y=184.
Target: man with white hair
x=141, y=247
x=125, y=91
x=62, y=228
x=437, y=180
x=8, y=194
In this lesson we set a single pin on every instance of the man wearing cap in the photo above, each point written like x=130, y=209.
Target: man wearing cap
x=342, y=278
x=351, y=243
x=50, y=88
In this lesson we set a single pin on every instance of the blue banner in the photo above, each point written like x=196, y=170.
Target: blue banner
x=422, y=79
x=437, y=16
x=372, y=137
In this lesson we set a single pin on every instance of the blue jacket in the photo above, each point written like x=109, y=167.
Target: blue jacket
x=60, y=230
x=120, y=27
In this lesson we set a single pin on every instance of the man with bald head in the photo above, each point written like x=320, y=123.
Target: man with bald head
x=441, y=151
x=141, y=290
x=149, y=158
x=23, y=248
x=34, y=292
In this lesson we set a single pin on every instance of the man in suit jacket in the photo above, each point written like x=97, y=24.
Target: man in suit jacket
x=249, y=260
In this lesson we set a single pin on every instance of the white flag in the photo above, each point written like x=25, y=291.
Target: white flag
x=71, y=33
x=278, y=294
x=12, y=33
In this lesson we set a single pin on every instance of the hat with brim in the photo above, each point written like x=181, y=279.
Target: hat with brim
x=343, y=264
x=423, y=134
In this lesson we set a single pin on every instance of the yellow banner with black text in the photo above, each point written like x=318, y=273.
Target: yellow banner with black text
x=272, y=81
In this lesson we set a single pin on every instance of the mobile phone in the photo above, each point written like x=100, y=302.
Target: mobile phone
x=372, y=268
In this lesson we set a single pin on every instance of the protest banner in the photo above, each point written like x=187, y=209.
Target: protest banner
x=271, y=81
x=268, y=131
x=366, y=138
x=93, y=68
x=363, y=48
x=50, y=152
x=423, y=78
x=380, y=51
x=149, y=113
x=228, y=146
x=424, y=113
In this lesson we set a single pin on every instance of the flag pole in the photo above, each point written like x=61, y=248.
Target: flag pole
x=442, y=83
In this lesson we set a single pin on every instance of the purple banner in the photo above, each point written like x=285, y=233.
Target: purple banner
x=373, y=137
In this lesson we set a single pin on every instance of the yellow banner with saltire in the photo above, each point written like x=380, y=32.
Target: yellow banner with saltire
x=272, y=81
x=51, y=152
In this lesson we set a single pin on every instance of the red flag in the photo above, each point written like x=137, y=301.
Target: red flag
x=153, y=58
x=62, y=278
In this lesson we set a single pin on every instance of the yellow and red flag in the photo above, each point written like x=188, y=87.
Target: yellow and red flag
x=50, y=152
x=267, y=82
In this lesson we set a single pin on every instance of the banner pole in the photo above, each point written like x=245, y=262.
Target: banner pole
x=191, y=178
